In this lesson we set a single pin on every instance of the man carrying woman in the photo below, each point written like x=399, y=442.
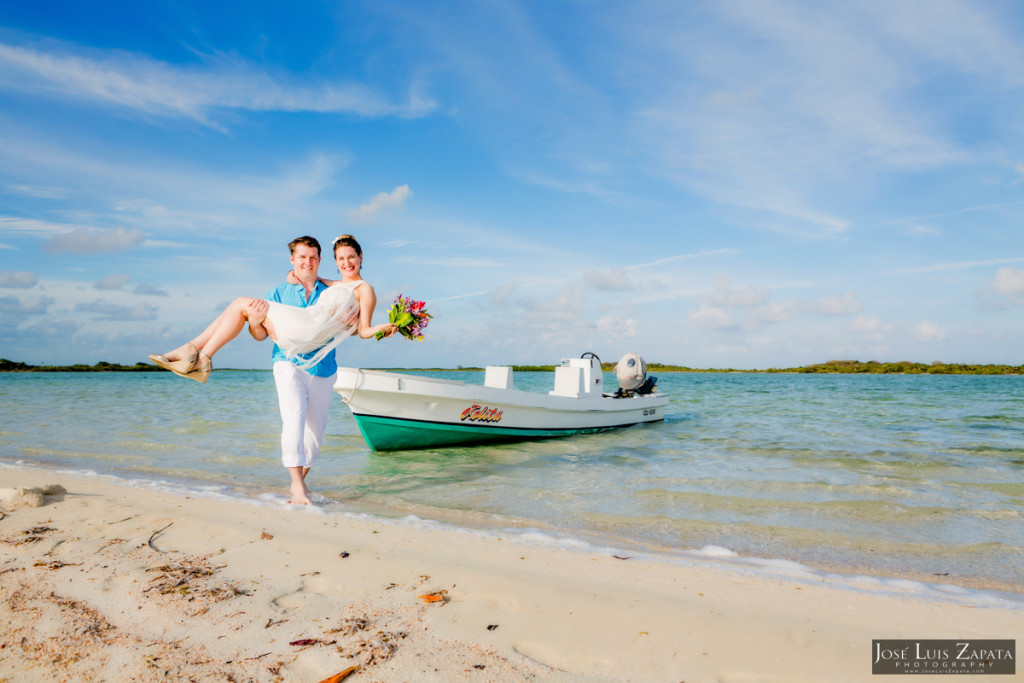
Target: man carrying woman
x=307, y=318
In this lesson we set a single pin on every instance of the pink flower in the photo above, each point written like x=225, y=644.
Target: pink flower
x=409, y=316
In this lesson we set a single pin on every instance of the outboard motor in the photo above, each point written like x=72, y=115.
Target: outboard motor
x=631, y=371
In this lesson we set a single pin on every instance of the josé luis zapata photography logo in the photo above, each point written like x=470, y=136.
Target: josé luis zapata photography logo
x=943, y=656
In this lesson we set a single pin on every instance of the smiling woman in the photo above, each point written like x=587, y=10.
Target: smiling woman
x=331, y=311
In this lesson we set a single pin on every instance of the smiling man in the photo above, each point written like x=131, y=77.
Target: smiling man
x=304, y=396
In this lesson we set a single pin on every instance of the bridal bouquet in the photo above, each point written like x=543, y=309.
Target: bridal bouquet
x=410, y=317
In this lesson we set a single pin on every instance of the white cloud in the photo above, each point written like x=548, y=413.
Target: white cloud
x=379, y=203
x=18, y=279
x=774, y=313
x=725, y=295
x=112, y=282
x=797, y=101
x=95, y=240
x=1005, y=290
x=834, y=305
x=38, y=192
x=42, y=337
x=686, y=257
x=166, y=197
x=712, y=317
x=31, y=226
x=927, y=331
x=11, y=305
x=146, y=289
x=615, y=326
x=960, y=265
x=140, y=83
x=870, y=325
x=1008, y=282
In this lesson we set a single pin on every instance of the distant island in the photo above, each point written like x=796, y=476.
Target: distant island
x=871, y=367
x=849, y=367
x=102, y=366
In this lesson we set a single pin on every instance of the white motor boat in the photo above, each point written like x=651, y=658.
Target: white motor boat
x=399, y=411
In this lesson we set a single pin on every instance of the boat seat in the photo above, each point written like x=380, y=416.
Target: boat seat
x=498, y=377
x=569, y=382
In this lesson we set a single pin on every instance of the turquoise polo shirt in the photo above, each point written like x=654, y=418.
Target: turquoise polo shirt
x=295, y=295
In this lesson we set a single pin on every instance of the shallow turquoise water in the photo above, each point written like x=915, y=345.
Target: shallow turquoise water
x=918, y=476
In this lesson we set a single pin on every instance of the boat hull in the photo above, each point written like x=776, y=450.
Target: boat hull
x=397, y=412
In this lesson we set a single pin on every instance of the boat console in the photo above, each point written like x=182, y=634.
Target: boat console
x=579, y=377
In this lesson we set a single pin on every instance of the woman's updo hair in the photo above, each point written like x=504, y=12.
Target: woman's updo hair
x=347, y=241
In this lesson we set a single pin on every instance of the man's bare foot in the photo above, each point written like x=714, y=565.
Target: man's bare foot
x=300, y=496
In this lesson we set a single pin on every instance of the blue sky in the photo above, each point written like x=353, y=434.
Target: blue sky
x=714, y=184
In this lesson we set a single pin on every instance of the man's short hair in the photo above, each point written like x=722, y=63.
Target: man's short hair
x=305, y=239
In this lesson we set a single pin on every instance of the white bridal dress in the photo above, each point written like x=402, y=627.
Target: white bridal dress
x=320, y=327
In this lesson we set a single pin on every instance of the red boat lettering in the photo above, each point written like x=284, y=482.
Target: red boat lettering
x=476, y=413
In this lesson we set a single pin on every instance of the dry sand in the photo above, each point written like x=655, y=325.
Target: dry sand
x=103, y=582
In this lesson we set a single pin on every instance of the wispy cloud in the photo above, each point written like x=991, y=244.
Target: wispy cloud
x=944, y=214
x=38, y=192
x=18, y=279
x=724, y=295
x=146, y=289
x=928, y=331
x=618, y=327
x=1005, y=289
x=712, y=317
x=11, y=305
x=834, y=305
x=869, y=324
x=798, y=102
x=613, y=279
x=164, y=196
x=220, y=81
x=586, y=186
x=1008, y=281
x=15, y=310
x=95, y=240
x=112, y=282
x=686, y=257
x=379, y=203
x=33, y=226
x=960, y=265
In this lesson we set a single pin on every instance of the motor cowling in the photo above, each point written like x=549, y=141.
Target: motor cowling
x=631, y=371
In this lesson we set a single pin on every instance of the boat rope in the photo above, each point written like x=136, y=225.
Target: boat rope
x=355, y=383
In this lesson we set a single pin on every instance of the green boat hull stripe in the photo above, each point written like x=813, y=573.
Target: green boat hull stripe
x=389, y=433
x=487, y=428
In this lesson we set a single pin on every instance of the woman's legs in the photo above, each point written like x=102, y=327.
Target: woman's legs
x=223, y=329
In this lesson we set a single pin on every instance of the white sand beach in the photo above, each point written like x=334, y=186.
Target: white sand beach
x=104, y=582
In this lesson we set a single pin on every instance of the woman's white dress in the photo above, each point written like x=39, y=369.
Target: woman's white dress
x=320, y=327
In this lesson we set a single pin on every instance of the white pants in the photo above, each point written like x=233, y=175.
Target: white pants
x=304, y=401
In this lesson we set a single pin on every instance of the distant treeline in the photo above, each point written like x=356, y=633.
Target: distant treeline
x=871, y=367
x=102, y=366
x=908, y=368
x=852, y=367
